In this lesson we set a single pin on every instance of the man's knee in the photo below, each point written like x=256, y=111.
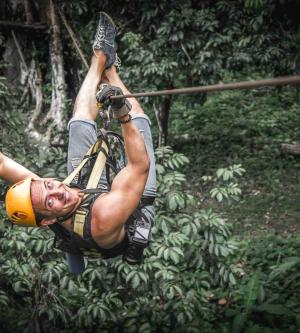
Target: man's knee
x=82, y=109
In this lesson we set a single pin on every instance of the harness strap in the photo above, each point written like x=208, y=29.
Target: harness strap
x=74, y=173
x=81, y=213
x=98, y=145
x=79, y=221
x=147, y=201
x=100, y=148
x=98, y=166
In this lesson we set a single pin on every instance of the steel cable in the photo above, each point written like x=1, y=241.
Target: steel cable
x=280, y=81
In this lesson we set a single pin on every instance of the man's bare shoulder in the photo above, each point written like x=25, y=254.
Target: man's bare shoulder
x=107, y=222
x=101, y=215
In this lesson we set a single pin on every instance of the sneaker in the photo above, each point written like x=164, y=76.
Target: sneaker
x=105, y=38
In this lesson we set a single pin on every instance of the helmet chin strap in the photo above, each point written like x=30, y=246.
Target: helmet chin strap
x=88, y=195
x=62, y=219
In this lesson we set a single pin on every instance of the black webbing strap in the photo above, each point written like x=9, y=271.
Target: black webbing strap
x=147, y=201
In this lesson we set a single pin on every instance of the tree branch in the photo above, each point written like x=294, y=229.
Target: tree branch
x=19, y=51
x=74, y=39
x=39, y=27
x=291, y=149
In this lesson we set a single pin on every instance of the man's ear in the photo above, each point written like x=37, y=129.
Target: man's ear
x=47, y=221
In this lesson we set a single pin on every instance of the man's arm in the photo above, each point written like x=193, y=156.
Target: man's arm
x=12, y=171
x=127, y=188
x=114, y=208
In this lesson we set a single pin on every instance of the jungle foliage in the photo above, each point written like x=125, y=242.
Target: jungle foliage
x=216, y=263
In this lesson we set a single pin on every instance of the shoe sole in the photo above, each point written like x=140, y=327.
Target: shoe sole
x=110, y=19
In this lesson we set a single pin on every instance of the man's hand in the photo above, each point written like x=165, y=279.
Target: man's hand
x=120, y=107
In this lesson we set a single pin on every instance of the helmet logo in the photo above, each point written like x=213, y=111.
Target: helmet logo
x=19, y=216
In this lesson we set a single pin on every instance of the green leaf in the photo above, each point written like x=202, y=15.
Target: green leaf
x=276, y=309
x=232, y=279
x=130, y=276
x=174, y=256
x=238, y=323
x=252, y=290
x=135, y=281
x=145, y=328
x=284, y=267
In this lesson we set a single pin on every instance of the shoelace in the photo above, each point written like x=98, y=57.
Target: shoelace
x=118, y=62
x=100, y=33
x=100, y=37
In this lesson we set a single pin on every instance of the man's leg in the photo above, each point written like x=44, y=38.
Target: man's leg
x=82, y=127
x=85, y=104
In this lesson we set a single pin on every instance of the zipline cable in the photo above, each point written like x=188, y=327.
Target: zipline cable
x=279, y=81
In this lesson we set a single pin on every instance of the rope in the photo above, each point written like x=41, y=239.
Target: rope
x=280, y=81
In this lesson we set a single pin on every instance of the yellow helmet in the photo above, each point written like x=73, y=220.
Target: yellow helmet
x=18, y=204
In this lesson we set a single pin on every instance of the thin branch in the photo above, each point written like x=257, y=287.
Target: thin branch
x=20, y=51
x=74, y=39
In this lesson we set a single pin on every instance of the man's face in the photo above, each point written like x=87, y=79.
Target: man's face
x=52, y=198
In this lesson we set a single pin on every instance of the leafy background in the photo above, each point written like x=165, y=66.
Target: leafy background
x=225, y=250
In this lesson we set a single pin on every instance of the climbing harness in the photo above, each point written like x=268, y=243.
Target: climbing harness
x=107, y=154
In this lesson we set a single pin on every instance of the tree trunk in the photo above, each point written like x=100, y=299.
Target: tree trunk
x=11, y=58
x=162, y=116
x=28, y=11
x=35, y=78
x=291, y=149
x=57, y=108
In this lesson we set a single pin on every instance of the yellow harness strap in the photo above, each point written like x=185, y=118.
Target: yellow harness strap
x=98, y=167
x=74, y=173
x=99, y=147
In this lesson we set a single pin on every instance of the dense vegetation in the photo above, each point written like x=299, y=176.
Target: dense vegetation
x=225, y=250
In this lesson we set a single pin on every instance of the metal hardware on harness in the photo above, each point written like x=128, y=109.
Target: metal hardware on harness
x=139, y=235
x=105, y=115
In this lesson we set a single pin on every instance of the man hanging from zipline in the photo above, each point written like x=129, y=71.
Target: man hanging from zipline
x=111, y=218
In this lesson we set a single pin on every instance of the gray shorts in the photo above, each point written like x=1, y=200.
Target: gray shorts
x=83, y=134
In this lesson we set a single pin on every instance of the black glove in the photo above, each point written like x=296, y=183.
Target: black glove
x=120, y=107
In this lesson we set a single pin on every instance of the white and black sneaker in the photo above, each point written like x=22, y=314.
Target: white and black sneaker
x=105, y=38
